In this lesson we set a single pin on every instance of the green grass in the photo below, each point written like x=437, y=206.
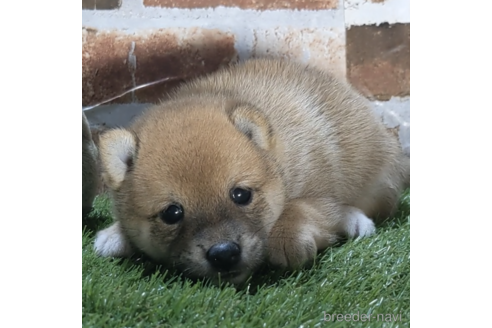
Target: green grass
x=366, y=276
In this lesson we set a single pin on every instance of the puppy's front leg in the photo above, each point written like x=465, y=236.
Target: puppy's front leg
x=111, y=242
x=305, y=226
x=309, y=225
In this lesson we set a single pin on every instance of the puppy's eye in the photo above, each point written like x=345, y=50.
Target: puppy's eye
x=241, y=196
x=173, y=214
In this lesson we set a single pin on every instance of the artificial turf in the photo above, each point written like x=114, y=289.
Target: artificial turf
x=363, y=283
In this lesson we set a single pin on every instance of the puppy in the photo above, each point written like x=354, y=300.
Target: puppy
x=263, y=161
x=90, y=175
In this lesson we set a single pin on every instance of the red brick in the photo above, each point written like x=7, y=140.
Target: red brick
x=183, y=53
x=108, y=68
x=245, y=4
x=101, y=4
x=378, y=60
x=104, y=65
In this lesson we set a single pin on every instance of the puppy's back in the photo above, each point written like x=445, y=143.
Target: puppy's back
x=330, y=143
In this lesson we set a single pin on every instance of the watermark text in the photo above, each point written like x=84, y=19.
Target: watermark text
x=361, y=317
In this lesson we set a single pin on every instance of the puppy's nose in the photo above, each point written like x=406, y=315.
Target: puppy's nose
x=224, y=255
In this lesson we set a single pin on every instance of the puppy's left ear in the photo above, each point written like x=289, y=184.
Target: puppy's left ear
x=253, y=124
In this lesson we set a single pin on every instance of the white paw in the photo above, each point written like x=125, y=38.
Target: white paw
x=110, y=242
x=358, y=224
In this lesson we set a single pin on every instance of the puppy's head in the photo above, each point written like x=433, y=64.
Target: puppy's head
x=195, y=185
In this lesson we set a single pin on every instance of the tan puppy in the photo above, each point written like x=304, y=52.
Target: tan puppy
x=263, y=161
x=90, y=176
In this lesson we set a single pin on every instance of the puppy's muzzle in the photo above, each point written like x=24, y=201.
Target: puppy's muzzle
x=224, y=256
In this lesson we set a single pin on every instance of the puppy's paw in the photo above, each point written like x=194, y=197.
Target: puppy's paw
x=110, y=242
x=358, y=224
x=291, y=250
x=292, y=240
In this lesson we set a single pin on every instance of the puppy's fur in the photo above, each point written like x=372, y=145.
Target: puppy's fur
x=317, y=160
x=90, y=176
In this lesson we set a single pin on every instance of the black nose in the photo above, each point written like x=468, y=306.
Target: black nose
x=224, y=255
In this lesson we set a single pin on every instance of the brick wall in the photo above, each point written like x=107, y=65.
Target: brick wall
x=130, y=42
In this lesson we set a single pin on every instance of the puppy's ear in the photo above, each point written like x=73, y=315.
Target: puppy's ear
x=118, y=148
x=253, y=124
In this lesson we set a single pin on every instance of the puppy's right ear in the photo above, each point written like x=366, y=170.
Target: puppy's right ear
x=118, y=148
